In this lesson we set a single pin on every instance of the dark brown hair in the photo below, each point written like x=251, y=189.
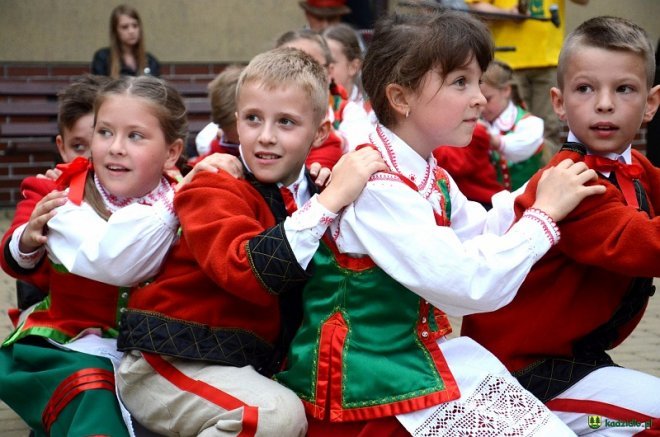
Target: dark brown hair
x=405, y=47
x=77, y=100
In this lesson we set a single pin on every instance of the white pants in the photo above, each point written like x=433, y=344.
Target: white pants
x=189, y=398
x=623, y=401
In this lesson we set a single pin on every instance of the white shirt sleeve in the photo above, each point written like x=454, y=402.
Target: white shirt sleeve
x=461, y=269
x=24, y=260
x=524, y=141
x=127, y=249
x=305, y=228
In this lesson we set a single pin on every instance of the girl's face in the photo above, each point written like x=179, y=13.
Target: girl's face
x=128, y=30
x=497, y=100
x=129, y=151
x=443, y=111
x=344, y=71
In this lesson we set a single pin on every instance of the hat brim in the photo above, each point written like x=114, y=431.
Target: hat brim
x=325, y=12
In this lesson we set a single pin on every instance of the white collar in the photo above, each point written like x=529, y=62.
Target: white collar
x=626, y=156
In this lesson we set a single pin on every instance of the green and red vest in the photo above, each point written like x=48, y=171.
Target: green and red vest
x=367, y=347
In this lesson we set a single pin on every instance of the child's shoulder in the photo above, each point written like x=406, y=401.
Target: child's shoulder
x=39, y=185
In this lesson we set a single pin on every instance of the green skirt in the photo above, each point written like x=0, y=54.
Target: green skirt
x=32, y=372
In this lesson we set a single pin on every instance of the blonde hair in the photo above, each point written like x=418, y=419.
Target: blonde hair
x=222, y=93
x=139, y=51
x=609, y=33
x=289, y=66
x=499, y=75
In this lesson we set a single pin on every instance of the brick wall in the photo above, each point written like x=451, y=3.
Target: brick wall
x=16, y=163
x=40, y=153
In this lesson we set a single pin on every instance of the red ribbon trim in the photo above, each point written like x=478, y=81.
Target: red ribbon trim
x=625, y=173
x=74, y=175
x=205, y=391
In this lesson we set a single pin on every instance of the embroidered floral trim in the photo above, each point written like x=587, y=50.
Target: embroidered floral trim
x=163, y=194
x=498, y=407
x=422, y=186
x=550, y=227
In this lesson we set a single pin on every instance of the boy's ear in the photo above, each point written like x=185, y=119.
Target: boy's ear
x=397, y=96
x=652, y=103
x=174, y=150
x=59, y=142
x=321, y=133
x=558, y=103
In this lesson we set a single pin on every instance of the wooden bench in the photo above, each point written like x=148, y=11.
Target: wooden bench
x=28, y=113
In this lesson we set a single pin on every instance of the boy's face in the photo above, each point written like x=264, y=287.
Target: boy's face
x=605, y=98
x=318, y=23
x=276, y=127
x=76, y=141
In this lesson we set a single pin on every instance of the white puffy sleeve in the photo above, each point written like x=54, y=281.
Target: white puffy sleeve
x=125, y=250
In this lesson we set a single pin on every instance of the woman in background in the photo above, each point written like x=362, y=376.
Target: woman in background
x=126, y=55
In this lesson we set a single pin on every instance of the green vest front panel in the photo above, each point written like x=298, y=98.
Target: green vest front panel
x=363, y=334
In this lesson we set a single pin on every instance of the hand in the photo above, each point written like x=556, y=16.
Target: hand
x=320, y=174
x=52, y=174
x=34, y=235
x=563, y=187
x=213, y=163
x=349, y=176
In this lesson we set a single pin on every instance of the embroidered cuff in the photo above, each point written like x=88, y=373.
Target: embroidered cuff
x=550, y=227
x=24, y=260
x=311, y=216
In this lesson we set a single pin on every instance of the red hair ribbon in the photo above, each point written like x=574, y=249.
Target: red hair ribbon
x=625, y=173
x=73, y=176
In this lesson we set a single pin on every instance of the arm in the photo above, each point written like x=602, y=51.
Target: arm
x=604, y=232
x=521, y=143
x=483, y=6
x=395, y=226
x=101, y=62
x=125, y=250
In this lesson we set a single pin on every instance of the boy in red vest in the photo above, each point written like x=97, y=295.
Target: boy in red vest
x=206, y=335
x=588, y=293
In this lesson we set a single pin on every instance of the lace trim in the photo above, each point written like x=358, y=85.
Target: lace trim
x=496, y=408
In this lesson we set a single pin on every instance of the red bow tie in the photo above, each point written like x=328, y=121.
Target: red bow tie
x=625, y=173
x=289, y=202
x=73, y=176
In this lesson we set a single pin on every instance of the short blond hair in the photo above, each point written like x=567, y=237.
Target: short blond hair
x=222, y=94
x=609, y=33
x=289, y=66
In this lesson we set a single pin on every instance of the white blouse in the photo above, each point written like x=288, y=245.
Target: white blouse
x=476, y=265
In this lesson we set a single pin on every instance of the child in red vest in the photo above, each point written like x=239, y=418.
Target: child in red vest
x=588, y=293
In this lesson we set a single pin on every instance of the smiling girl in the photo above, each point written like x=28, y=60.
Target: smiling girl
x=107, y=230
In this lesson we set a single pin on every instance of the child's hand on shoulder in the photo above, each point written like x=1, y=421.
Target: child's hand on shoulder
x=349, y=176
x=563, y=187
x=34, y=235
x=213, y=163
x=320, y=174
